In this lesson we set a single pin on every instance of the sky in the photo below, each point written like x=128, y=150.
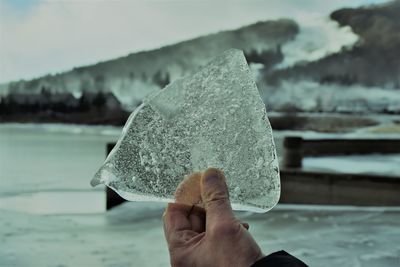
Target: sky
x=39, y=37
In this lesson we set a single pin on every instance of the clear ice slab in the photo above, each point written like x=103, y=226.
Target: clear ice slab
x=213, y=118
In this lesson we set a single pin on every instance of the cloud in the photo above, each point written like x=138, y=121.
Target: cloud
x=52, y=36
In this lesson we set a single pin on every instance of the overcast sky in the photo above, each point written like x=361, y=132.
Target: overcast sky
x=38, y=37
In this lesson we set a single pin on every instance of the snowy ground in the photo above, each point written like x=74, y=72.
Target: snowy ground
x=49, y=215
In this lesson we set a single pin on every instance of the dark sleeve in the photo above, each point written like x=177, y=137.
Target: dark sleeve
x=279, y=259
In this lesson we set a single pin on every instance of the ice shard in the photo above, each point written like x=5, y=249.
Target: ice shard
x=213, y=118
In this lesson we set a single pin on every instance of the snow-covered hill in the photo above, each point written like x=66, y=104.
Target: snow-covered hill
x=132, y=77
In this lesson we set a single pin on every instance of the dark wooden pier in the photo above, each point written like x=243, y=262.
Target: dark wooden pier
x=301, y=186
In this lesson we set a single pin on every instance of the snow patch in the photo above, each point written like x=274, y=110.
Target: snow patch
x=318, y=37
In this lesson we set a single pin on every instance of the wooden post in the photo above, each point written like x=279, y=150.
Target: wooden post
x=293, y=154
x=112, y=198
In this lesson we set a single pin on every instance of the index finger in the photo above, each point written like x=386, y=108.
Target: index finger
x=176, y=219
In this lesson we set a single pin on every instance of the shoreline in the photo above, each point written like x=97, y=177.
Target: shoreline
x=104, y=118
x=334, y=123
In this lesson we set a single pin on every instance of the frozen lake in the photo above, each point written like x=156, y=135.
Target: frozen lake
x=50, y=216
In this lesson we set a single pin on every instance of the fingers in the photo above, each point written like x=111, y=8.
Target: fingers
x=188, y=191
x=209, y=189
x=246, y=225
x=197, y=219
x=215, y=196
x=175, y=220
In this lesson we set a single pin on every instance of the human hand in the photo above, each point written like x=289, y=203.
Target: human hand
x=209, y=236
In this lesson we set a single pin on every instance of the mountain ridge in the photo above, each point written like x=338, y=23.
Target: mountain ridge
x=135, y=75
x=372, y=61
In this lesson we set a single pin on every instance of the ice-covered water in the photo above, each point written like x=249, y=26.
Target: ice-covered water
x=56, y=202
x=50, y=157
x=50, y=166
x=132, y=235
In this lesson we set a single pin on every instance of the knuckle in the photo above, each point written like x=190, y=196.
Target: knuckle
x=217, y=200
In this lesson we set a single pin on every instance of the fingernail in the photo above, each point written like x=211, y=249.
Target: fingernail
x=211, y=175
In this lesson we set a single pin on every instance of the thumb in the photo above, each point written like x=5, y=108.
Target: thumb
x=215, y=196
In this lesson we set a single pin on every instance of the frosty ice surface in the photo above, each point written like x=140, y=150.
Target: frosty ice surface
x=213, y=118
